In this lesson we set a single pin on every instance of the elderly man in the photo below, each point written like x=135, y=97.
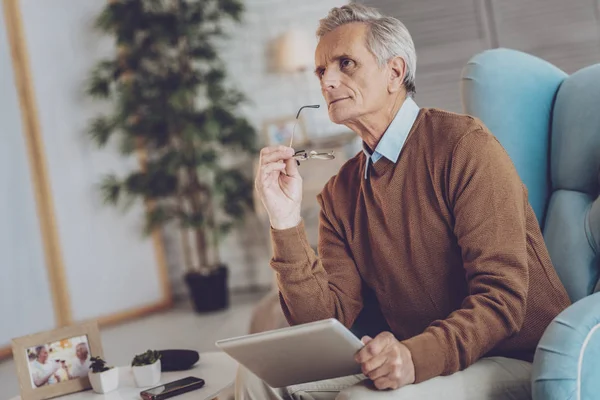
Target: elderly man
x=81, y=365
x=431, y=217
x=44, y=371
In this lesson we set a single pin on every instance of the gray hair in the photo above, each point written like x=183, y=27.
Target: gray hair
x=387, y=37
x=39, y=349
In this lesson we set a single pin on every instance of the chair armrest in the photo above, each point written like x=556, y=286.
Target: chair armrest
x=568, y=356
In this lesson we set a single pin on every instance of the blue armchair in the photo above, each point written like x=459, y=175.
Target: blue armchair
x=549, y=123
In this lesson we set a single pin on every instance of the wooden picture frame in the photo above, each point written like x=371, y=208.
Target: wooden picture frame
x=279, y=131
x=58, y=343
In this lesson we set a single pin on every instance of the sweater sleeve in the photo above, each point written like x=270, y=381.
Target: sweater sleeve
x=488, y=202
x=313, y=288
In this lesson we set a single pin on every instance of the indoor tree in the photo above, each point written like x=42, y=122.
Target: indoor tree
x=172, y=108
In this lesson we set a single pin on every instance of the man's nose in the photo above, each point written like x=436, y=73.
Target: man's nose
x=330, y=80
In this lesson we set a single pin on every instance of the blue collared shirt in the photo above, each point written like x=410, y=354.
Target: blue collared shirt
x=395, y=135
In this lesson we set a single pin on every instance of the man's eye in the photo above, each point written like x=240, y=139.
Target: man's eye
x=346, y=62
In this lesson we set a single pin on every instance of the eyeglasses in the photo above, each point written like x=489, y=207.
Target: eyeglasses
x=302, y=155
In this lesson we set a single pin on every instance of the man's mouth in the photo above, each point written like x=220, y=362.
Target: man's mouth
x=336, y=100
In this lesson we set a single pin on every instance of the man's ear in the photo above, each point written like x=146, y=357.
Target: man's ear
x=397, y=73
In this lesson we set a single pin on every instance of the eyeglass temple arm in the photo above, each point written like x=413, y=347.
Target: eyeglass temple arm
x=311, y=106
x=296, y=123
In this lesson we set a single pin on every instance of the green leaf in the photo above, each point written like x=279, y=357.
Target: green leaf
x=215, y=92
x=206, y=158
x=225, y=228
x=111, y=189
x=153, y=183
x=224, y=117
x=233, y=8
x=147, y=358
x=101, y=129
x=99, y=83
x=152, y=126
x=98, y=365
x=181, y=100
x=127, y=145
x=106, y=20
x=204, y=51
x=233, y=98
x=211, y=129
x=215, y=76
x=157, y=217
x=192, y=220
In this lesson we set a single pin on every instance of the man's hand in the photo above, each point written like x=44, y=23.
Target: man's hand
x=386, y=361
x=279, y=186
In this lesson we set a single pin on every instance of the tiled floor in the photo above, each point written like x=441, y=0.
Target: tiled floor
x=178, y=328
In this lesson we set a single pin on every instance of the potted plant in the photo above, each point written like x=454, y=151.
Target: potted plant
x=103, y=379
x=172, y=108
x=146, y=368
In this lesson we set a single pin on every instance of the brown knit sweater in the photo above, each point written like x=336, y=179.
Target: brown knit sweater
x=445, y=238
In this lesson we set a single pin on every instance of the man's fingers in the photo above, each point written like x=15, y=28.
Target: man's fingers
x=291, y=167
x=375, y=363
x=385, y=383
x=273, y=154
x=265, y=170
x=270, y=149
x=372, y=349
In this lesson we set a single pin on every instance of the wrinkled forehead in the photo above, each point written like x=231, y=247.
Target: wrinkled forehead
x=346, y=40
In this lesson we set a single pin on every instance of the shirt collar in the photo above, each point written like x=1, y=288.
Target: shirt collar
x=395, y=135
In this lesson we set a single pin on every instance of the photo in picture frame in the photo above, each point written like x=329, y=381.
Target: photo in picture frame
x=279, y=132
x=56, y=363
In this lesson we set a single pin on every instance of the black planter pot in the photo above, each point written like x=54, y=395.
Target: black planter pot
x=209, y=292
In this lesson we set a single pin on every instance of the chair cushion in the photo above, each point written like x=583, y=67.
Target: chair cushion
x=570, y=242
x=575, y=151
x=567, y=359
x=513, y=94
x=572, y=229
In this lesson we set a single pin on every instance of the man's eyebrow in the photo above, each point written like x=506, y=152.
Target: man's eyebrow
x=319, y=68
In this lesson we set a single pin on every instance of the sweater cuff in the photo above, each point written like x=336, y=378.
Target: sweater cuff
x=428, y=356
x=290, y=245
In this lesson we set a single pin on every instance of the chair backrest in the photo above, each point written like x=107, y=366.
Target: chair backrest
x=549, y=123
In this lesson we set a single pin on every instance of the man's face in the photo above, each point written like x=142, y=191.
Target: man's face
x=82, y=352
x=352, y=82
x=43, y=356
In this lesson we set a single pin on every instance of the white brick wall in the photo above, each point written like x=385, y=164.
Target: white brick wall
x=272, y=95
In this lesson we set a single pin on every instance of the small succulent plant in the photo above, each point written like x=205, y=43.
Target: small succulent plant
x=147, y=358
x=98, y=365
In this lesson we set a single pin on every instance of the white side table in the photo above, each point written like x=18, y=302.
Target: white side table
x=216, y=368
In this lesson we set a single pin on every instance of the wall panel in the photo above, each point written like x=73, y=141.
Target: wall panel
x=25, y=299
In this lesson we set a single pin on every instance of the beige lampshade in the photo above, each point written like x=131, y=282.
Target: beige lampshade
x=295, y=51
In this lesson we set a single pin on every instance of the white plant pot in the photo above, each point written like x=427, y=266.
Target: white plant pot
x=146, y=375
x=104, y=382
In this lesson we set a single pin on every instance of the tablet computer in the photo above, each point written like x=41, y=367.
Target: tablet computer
x=298, y=354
